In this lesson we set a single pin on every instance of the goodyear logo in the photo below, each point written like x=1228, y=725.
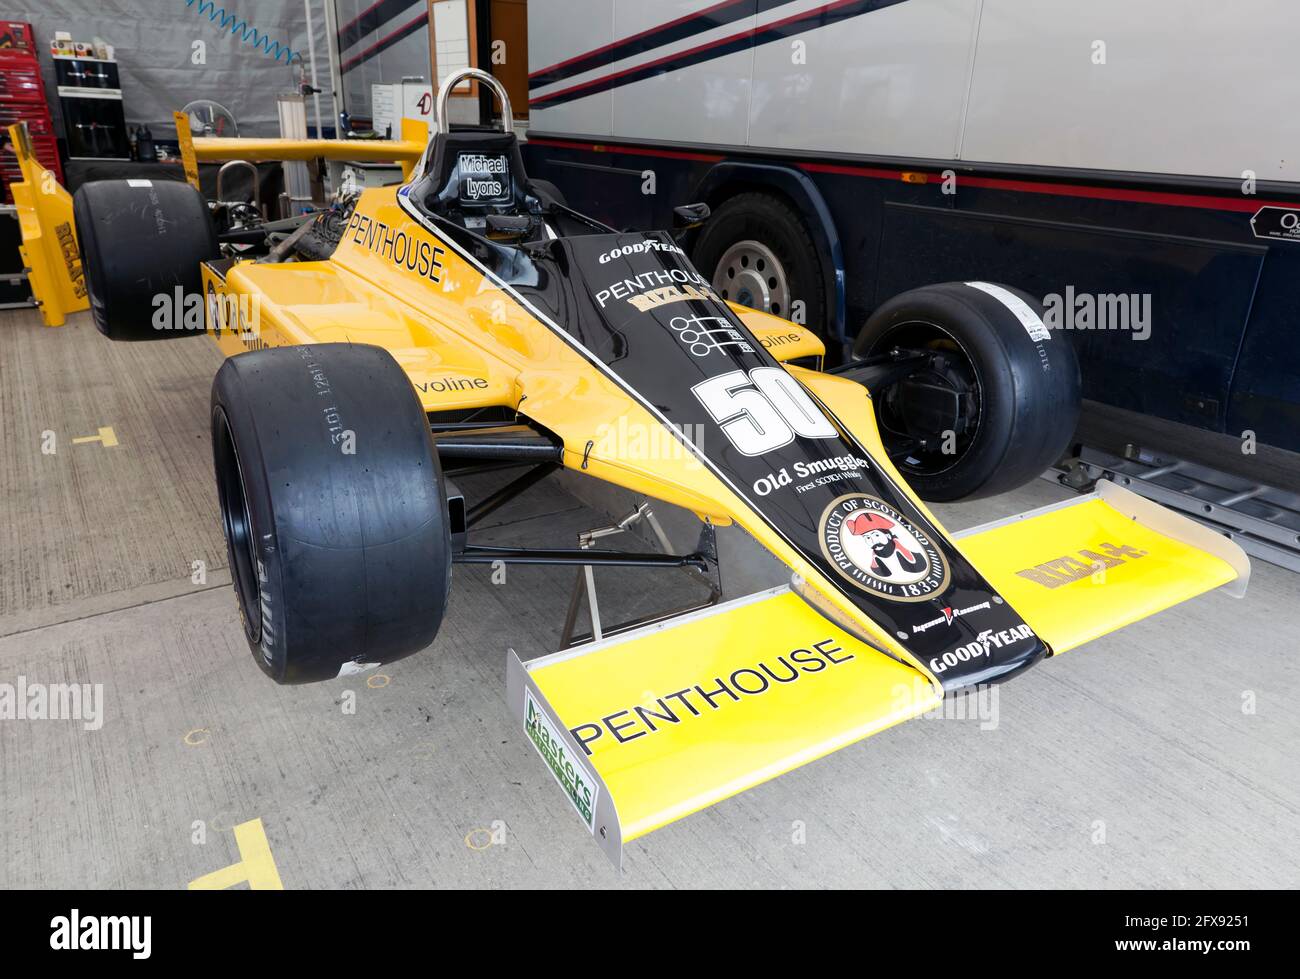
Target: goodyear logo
x=397, y=245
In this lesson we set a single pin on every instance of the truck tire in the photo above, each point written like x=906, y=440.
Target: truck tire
x=333, y=506
x=756, y=252
x=143, y=239
x=993, y=403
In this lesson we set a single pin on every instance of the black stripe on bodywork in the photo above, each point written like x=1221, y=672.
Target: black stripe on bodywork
x=964, y=585
x=824, y=16
x=718, y=15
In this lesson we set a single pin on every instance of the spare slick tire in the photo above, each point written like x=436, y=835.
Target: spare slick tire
x=993, y=399
x=334, y=508
x=142, y=242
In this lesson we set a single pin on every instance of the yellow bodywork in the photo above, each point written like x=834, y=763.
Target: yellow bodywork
x=49, y=245
x=667, y=740
x=465, y=328
x=1078, y=572
x=667, y=719
x=406, y=151
x=466, y=343
x=1072, y=572
x=676, y=717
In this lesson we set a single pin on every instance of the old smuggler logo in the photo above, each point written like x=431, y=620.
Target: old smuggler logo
x=874, y=546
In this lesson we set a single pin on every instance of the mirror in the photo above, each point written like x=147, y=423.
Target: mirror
x=688, y=216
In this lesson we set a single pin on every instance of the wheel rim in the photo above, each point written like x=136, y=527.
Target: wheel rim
x=914, y=449
x=749, y=273
x=238, y=527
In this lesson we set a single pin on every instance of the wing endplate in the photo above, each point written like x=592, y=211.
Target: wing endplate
x=1079, y=570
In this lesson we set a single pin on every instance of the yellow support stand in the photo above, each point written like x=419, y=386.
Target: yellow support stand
x=49, y=249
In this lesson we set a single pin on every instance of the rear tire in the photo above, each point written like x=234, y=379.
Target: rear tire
x=756, y=252
x=141, y=240
x=1009, y=398
x=340, y=560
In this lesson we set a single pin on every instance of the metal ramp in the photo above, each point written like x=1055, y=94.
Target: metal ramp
x=1263, y=519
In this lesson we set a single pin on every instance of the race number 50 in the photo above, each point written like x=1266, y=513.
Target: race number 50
x=762, y=410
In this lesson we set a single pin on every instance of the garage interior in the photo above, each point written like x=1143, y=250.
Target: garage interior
x=1133, y=763
x=1158, y=757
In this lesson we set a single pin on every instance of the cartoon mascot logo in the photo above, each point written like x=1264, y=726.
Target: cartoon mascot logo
x=873, y=546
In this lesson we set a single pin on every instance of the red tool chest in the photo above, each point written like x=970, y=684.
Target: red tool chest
x=22, y=99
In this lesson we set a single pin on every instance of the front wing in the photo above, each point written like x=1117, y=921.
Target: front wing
x=646, y=728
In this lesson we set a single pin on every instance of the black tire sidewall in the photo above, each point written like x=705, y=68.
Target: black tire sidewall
x=128, y=260
x=1029, y=390
x=770, y=220
x=267, y=643
x=352, y=557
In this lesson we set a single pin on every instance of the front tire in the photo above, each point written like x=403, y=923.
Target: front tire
x=333, y=506
x=994, y=399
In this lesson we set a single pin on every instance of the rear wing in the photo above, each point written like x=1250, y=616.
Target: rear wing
x=406, y=151
x=49, y=248
x=648, y=727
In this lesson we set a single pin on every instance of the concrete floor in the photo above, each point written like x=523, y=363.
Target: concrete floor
x=1163, y=756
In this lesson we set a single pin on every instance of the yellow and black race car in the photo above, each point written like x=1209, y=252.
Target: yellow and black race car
x=468, y=317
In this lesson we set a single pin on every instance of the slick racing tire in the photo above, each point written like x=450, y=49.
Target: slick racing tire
x=756, y=251
x=333, y=506
x=993, y=399
x=141, y=240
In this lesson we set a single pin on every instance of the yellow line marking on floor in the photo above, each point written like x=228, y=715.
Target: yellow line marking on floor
x=106, y=438
x=256, y=864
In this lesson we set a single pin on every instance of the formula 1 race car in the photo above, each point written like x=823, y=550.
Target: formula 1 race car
x=468, y=318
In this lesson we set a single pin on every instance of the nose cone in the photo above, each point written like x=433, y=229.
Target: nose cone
x=1010, y=662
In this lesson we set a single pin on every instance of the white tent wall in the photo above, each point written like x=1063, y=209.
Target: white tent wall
x=157, y=49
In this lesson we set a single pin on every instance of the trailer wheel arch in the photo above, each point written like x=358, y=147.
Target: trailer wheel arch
x=730, y=179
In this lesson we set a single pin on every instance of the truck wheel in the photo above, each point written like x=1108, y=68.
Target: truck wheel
x=756, y=252
x=142, y=239
x=992, y=399
x=333, y=506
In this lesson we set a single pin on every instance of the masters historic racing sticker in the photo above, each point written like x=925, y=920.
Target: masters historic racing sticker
x=571, y=775
x=874, y=546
